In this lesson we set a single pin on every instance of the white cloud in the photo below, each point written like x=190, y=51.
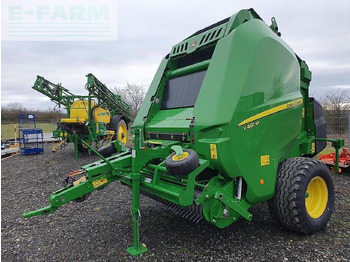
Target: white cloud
x=341, y=86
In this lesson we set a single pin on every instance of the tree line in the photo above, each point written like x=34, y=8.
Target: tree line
x=10, y=112
x=335, y=103
x=132, y=94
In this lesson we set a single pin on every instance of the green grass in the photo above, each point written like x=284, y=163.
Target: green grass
x=325, y=151
x=7, y=130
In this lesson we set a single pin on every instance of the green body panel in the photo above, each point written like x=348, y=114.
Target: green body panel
x=252, y=111
x=255, y=71
x=178, y=120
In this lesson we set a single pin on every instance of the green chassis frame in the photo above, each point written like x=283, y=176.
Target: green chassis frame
x=121, y=167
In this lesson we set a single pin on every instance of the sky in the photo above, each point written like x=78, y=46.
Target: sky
x=318, y=31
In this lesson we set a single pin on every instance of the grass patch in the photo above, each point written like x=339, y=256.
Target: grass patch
x=329, y=149
x=7, y=130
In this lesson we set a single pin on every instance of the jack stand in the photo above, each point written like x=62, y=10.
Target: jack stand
x=337, y=144
x=75, y=140
x=56, y=147
x=137, y=248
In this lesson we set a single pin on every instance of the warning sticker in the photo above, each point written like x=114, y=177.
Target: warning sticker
x=265, y=160
x=99, y=182
x=213, y=151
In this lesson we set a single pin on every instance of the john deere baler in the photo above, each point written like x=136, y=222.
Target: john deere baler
x=227, y=122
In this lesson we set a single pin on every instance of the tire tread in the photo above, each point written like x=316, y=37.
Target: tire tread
x=287, y=205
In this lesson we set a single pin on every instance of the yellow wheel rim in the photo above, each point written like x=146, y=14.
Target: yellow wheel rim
x=316, y=197
x=122, y=133
x=183, y=156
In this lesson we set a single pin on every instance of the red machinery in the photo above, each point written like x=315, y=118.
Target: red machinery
x=344, y=158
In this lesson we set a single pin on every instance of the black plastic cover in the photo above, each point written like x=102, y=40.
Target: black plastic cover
x=320, y=123
x=167, y=136
x=182, y=91
x=212, y=26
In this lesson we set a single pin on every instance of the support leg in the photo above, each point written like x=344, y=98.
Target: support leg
x=336, y=166
x=75, y=140
x=137, y=248
x=337, y=144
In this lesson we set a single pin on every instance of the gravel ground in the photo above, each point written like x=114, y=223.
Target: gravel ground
x=100, y=228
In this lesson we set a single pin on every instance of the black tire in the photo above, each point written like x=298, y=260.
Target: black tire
x=288, y=206
x=82, y=149
x=107, y=151
x=183, y=166
x=113, y=124
x=116, y=122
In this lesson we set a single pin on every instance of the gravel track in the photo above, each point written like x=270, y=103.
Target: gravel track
x=100, y=228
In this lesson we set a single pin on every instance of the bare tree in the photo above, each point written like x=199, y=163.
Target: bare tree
x=337, y=101
x=133, y=95
x=14, y=106
x=10, y=111
x=336, y=107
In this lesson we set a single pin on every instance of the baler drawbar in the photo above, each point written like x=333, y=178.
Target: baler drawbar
x=227, y=123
